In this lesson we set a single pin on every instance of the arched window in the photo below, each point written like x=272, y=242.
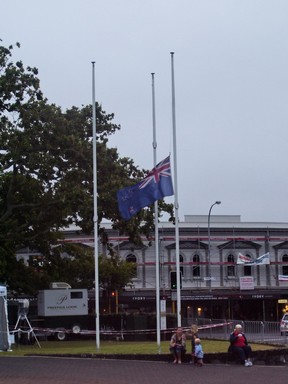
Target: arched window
x=247, y=269
x=231, y=268
x=132, y=259
x=285, y=267
x=196, y=268
x=181, y=265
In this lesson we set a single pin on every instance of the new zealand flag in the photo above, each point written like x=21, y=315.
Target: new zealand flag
x=156, y=185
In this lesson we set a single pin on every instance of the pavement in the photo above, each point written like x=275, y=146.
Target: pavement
x=61, y=370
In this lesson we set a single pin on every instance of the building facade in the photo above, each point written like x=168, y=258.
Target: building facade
x=214, y=284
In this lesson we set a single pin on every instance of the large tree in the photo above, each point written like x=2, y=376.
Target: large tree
x=46, y=173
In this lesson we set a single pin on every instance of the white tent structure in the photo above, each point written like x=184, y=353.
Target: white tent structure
x=4, y=326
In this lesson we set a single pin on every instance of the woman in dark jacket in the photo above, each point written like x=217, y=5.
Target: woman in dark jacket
x=239, y=346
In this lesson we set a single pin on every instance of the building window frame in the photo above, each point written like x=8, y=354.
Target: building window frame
x=285, y=267
x=196, y=269
x=181, y=260
x=231, y=270
x=131, y=258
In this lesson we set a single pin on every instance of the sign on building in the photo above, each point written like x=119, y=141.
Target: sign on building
x=246, y=282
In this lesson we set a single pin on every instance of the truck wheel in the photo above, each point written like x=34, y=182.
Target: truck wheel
x=61, y=336
x=76, y=328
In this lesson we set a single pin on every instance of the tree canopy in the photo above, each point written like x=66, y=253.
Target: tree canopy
x=46, y=173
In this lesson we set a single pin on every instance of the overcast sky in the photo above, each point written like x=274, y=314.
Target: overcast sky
x=231, y=81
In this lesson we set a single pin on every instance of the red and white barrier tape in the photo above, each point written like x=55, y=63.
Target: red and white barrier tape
x=113, y=332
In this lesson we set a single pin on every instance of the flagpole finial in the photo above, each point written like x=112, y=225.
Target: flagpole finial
x=171, y=53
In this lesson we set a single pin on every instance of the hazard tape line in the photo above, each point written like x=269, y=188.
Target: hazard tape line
x=115, y=333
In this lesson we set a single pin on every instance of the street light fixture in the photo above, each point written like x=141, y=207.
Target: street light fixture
x=209, y=265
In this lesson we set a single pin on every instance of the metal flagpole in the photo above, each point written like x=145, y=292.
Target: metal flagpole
x=176, y=205
x=95, y=218
x=154, y=144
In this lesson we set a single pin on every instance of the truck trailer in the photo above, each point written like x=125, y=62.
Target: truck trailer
x=62, y=312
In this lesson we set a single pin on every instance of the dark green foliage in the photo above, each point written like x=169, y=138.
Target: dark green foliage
x=46, y=180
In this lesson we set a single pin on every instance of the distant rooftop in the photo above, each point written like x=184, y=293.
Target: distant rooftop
x=213, y=218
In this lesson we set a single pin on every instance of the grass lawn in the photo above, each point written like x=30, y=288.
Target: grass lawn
x=114, y=347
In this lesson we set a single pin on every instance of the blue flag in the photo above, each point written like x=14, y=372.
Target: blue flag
x=156, y=185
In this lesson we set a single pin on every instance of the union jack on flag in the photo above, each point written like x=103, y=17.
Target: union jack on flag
x=161, y=169
x=156, y=185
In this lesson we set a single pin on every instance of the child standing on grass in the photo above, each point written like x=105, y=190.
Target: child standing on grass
x=193, y=335
x=199, y=354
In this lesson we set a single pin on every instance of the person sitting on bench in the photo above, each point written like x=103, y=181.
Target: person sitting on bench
x=239, y=346
x=178, y=345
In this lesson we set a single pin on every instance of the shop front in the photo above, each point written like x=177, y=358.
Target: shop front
x=247, y=305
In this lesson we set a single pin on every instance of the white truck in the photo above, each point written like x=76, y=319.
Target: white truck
x=63, y=311
x=5, y=337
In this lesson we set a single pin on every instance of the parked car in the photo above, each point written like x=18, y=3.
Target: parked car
x=284, y=324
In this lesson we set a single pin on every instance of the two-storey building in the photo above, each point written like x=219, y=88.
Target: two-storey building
x=214, y=284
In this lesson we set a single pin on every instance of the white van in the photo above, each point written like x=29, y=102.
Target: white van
x=64, y=309
x=284, y=324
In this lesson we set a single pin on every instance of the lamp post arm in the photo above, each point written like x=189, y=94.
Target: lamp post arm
x=209, y=240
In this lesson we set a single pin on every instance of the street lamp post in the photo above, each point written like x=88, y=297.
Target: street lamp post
x=209, y=240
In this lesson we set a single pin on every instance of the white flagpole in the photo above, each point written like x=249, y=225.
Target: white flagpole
x=95, y=218
x=154, y=144
x=176, y=205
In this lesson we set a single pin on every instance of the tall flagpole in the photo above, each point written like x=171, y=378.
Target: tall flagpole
x=176, y=205
x=154, y=144
x=95, y=218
